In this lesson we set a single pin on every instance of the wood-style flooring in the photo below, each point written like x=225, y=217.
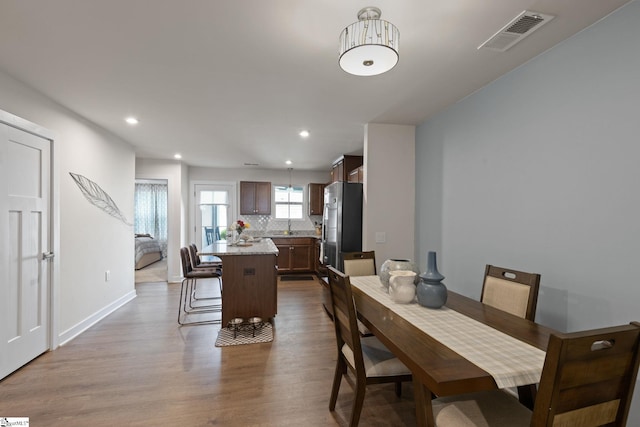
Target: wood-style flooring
x=137, y=367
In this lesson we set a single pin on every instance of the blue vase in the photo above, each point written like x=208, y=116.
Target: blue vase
x=432, y=293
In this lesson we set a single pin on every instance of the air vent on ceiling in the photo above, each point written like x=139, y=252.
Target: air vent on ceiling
x=520, y=27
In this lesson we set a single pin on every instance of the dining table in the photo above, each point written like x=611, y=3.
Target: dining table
x=463, y=347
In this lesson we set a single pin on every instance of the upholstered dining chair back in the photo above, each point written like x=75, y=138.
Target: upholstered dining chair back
x=185, y=260
x=189, y=302
x=513, y=291
x=369, y=360
x=197, y=262
x=359, y=263
x=587, y=381
x=588, y=377
x=344, y=314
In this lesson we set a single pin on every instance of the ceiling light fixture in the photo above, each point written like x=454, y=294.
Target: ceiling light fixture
x=370, y=46
x=288, y=162
x=177, y=156
x=290, y=187
x=131, y=120
x=304, y=133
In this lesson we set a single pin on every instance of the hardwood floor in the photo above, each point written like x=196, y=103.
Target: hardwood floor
x=139, y=368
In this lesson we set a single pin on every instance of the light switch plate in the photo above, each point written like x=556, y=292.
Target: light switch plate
x=381, y=237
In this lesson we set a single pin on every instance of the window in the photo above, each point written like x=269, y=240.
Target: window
x=213, y=203
x=288, y=201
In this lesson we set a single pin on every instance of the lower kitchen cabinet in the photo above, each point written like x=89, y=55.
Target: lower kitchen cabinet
x=295, y=254
x=320, y=268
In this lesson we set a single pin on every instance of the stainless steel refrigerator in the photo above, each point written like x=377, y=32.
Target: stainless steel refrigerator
x=341, y=222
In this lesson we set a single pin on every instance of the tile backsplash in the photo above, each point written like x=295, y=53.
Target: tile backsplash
x=263, y=224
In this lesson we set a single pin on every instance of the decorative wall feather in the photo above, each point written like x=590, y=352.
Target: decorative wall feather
x=98, y=197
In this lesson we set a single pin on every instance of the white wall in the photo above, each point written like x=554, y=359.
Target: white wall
x=539, y=172
x=91, y=241
x=389, y=191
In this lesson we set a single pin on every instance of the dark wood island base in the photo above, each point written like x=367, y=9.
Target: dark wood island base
x=249, y=279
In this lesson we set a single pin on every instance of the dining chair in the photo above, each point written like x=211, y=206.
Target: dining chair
x=587, y=380
x=206, y=261
x=215, y=265
x=189, y=301
x=367, y=358
x=360, y=264
x=513, y=291
x=208, y=234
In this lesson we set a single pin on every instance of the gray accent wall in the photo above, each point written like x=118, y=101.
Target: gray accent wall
x=540, y=171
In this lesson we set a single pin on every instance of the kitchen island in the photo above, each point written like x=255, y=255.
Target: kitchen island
x=249, y=279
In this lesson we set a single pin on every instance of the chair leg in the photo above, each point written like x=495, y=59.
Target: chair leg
x=337, y=379
x=185, y=306
x=399, y=389
x=182, y=305
x=358, y=401
x=193, y=298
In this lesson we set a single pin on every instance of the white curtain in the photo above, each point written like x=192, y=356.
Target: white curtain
x=151, y=212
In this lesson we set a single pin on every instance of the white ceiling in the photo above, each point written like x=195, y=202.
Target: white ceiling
x=232, y=82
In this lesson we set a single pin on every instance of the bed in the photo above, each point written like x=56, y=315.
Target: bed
x=148, y=251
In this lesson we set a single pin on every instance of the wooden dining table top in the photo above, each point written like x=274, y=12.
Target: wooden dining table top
x=440, y=369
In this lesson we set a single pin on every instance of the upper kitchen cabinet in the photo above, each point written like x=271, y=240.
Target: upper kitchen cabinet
x=344, y=166
x=255, y=198
x=357, y=175
x=316, y=198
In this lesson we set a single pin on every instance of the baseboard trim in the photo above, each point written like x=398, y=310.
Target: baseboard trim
x=85, y=324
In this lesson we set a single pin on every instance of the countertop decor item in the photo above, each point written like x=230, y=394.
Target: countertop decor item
x=432, y=293
x=239, y=226
x=396, y=264
x=402, y=288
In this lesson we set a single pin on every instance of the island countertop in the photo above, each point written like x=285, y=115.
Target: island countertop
x=263, y=247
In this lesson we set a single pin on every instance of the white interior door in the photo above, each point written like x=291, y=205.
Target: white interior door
x=213, y=212
x=25, y=161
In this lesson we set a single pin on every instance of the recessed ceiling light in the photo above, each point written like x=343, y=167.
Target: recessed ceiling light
x=177, y=156
x=131, y=120
x=304, y=133
x=288, y=162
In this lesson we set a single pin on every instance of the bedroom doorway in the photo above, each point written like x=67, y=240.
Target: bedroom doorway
x=150, y=217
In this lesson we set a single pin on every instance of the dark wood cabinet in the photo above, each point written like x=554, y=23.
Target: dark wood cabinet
x=250, y=287
x=255, y=198
x=337, y=171
x=356, y=175
x=316, y=198
x=320, y=268
x=295, y=254
x=342, y=167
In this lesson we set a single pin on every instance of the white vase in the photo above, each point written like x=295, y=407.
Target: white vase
x=396, y=264
x=401, y=286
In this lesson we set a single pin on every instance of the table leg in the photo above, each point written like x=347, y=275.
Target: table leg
x=424, y=410
x=527, y=395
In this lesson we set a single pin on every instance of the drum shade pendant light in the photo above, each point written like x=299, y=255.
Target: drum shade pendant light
x=370, y=46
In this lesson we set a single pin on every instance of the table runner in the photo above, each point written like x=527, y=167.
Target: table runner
x=508, y=360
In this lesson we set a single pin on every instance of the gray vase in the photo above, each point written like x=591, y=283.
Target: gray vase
x=432, y=293
x=396, y=264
